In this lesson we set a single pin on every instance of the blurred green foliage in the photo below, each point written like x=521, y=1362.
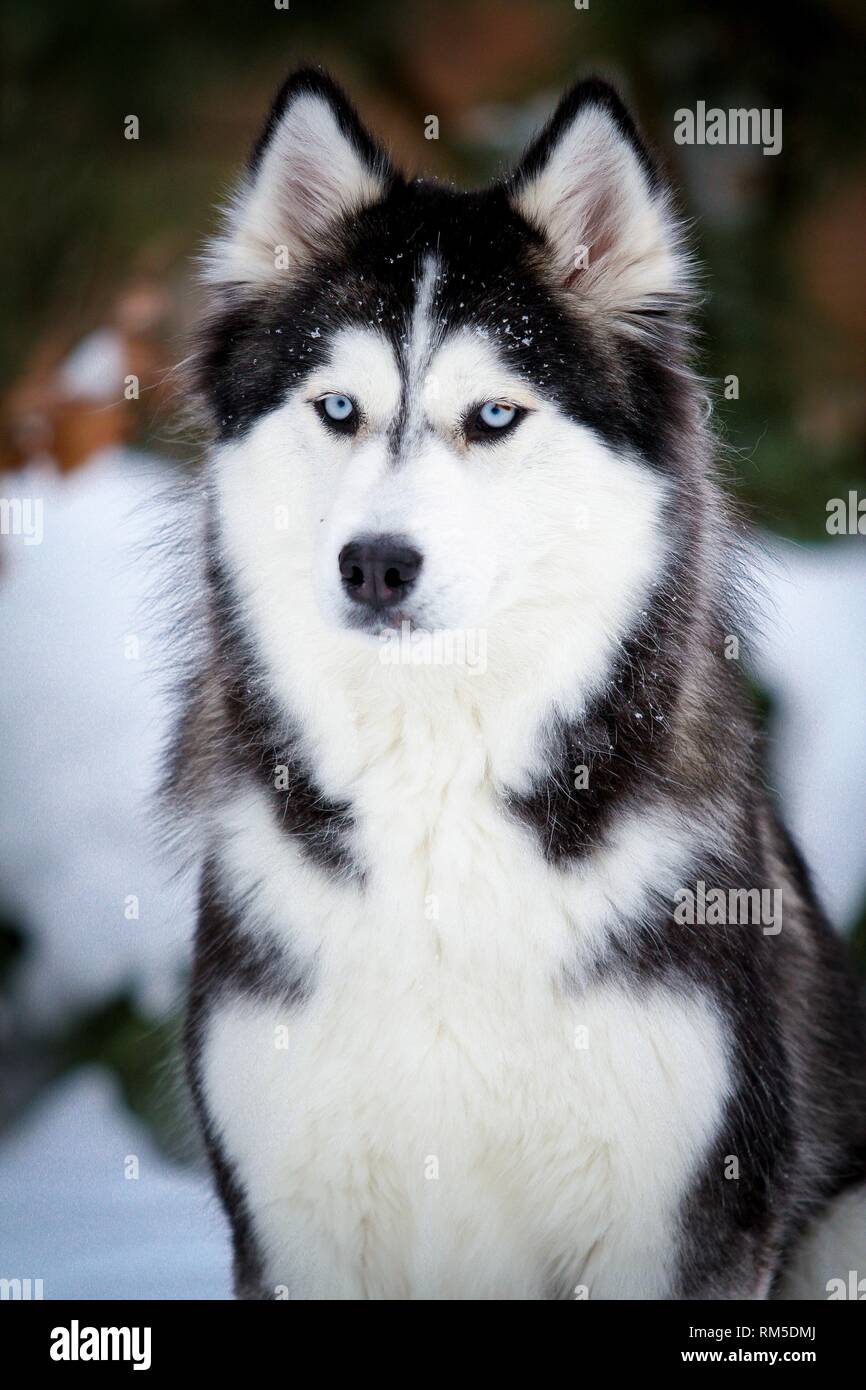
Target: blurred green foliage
x=144, y=1056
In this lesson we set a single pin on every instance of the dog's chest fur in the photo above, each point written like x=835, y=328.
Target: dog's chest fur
x=459, y=1105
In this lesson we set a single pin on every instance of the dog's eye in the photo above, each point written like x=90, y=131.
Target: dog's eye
x=492, y=421
x=338, y=412
x=496, y=414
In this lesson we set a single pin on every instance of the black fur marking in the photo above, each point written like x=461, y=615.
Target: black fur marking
x=728, y=1224
x=412, y=377
x=232, y=959
x=229, y=960
x=316, y=82
x=736, y=1234
x=262, y=743
x=624, y=739
x=593, y=92
x=261, y=344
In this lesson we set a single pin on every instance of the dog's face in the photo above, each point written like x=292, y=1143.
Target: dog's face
x=441, y=409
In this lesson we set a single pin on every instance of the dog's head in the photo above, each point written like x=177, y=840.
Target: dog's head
x=448, y=409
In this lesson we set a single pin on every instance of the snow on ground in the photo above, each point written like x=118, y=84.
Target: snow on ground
x=74, y=1219
x=811, y=658
x=83, y=725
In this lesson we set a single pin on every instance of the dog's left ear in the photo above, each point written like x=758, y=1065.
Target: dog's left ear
x=590, y=186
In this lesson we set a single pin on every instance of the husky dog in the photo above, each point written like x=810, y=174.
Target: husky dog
x=464, y=738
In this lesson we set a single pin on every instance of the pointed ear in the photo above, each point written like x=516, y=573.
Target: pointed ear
x=313, y=165
x=590, y=186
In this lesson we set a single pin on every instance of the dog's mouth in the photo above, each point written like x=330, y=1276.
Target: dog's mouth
x=386, y=621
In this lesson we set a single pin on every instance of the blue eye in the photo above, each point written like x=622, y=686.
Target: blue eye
x=338, y=407
x=338, y=412
x=490, y=421
x=496, y=414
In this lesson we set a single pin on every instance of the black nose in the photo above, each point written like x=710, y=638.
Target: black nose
x=379, y=570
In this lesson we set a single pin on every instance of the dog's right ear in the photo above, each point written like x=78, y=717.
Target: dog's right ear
x=313, y=165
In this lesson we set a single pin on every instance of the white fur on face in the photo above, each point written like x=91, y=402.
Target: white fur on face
x=546, y=541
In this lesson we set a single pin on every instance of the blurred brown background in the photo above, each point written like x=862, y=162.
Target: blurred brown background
x=100, y=229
